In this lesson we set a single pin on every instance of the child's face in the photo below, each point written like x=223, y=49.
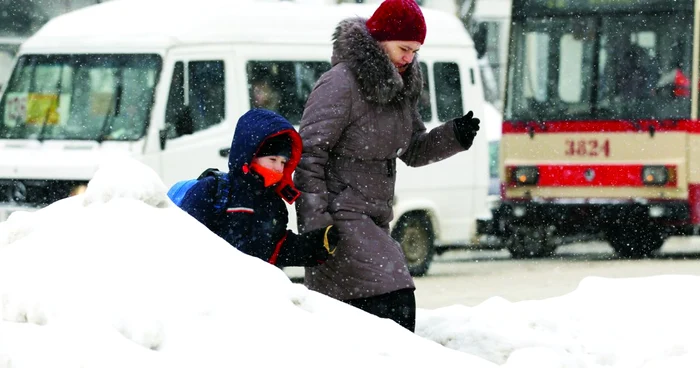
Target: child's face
x=274, y=163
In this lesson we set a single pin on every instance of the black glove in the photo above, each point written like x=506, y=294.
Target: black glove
x=330, y=241
x=465, y=129
x=321, y=244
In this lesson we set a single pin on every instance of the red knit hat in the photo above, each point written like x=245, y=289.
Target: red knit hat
x=397, y=20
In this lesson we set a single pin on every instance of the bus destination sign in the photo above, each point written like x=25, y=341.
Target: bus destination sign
x=561, y=7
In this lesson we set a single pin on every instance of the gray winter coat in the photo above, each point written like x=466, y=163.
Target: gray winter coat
x=361, y=115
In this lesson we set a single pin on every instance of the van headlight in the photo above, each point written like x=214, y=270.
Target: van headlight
x=524, y=175
x=78, y=189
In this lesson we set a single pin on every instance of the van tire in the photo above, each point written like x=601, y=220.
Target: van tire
x=415, y=234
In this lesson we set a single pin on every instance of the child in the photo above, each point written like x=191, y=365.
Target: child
x=265, y=151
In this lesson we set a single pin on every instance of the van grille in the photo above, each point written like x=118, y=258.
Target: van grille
x=35, y=193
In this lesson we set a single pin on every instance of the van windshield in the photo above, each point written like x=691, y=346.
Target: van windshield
x=81, y=97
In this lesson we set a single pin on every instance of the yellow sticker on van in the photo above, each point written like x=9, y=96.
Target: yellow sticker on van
x=42, y=108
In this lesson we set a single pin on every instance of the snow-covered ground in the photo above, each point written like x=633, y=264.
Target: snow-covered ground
x=120, y=277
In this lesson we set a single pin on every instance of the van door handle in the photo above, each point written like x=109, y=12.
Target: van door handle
x=224, y=152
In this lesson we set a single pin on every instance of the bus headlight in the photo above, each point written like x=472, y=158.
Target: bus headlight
x=524, y=175
x=655, y=175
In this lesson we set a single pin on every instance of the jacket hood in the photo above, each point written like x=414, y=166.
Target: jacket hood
x=252, y=129
x=378, y=78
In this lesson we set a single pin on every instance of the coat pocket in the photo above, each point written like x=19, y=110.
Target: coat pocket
x=341, y=201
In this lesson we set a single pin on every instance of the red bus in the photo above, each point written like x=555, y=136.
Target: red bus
x=601, y=137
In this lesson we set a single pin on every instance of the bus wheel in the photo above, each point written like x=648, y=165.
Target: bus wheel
x=633, y=243
x=415, y=234
x=529, y=243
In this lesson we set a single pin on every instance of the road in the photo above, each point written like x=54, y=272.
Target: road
x=470, y=277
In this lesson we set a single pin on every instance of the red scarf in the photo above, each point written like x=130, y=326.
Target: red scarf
x=270, y=177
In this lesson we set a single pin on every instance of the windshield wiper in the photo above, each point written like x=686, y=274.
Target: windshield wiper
x=116, y=101
x=58, y=88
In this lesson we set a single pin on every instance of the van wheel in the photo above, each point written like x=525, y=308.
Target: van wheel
x=415, y=234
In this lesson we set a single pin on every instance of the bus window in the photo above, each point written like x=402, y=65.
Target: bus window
x=283, y=86
x=634, y=66
x=587, y=68
x=448, y=91
x=570, y=62
x=535, y=67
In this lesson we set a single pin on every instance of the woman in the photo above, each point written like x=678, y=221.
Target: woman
x=361, y=116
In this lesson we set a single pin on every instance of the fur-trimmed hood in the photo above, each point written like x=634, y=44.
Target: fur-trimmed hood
x=377, y=77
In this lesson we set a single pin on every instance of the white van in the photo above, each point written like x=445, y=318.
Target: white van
x=165, y=82
x=8, y=50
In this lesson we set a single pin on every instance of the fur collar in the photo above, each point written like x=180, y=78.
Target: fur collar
x=378, y=78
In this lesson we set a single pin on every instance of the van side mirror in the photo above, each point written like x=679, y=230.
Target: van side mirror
x=184, y=124
x=163, y=135
x=479, y=36
x=180, y=123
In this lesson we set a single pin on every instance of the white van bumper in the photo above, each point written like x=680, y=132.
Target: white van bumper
x=7, y=210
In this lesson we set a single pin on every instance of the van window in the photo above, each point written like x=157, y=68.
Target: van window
x=79, y=97
x=6, y=57
x=424, y=106
x=491, y=69
x=283, y=86
x=448, y=90
x=176, y=116
x=203, y=104
x=207, y=93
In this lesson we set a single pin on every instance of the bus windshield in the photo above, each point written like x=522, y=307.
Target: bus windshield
x=614, y=66
x=79, y=97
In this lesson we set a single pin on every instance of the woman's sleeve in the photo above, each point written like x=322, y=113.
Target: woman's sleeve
x=326, y=115
x=429, y=146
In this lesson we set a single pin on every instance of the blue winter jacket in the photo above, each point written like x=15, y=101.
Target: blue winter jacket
x=255, y=217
